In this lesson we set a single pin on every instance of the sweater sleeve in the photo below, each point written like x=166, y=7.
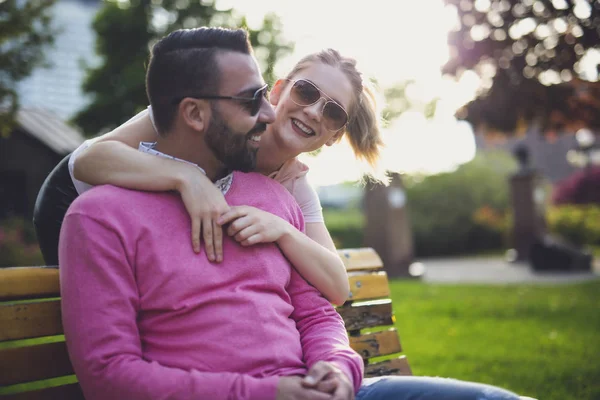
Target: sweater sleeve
x=100, y=305
x=322, y=332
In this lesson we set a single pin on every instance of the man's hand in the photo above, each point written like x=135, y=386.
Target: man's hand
x=291, y=388
x=327, y=378
x=249, y=225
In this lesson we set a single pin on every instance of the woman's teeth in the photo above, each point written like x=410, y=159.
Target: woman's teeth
x=255, y=138
x=303, y=127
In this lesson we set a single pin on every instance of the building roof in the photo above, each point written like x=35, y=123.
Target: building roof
x=49, y=129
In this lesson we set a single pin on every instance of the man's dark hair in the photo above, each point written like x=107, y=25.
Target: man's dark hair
x=184, y=63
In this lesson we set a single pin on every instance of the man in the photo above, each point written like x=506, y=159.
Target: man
x=147, y=318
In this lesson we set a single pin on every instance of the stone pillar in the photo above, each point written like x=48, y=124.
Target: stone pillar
x=387, y=227
x=527, y=202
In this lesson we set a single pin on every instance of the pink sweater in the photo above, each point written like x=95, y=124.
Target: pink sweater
x=147, y=318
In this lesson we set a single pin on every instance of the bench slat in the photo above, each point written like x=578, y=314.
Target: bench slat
x=34, y=363
x=29, y=320
x=376, y=344
x=368, y=286
x=28, y=282
x=396, y=366
x=71, y=392
x=360, y=259
x=367, y=315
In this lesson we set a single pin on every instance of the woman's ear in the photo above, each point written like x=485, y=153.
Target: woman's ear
x=275, y=94
x=196, y=113
x=335, y=138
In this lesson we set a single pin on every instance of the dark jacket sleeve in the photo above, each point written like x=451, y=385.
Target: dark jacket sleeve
x=54, y=198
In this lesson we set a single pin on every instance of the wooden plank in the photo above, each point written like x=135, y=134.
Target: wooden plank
x=28, y=282
x=29, y=320
x=360, y=259
x=33, y=363
x=367, y=315
x=376, y=344
x=396, y=366
x=365, y=286
x=66, y=392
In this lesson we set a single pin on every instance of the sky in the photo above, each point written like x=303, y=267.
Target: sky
x=392, y=41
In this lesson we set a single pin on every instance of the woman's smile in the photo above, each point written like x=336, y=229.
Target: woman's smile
x=301, y=128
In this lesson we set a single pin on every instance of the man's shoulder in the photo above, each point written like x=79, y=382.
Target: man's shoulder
x=259, y=182
x=267, y=194
x=109, y=199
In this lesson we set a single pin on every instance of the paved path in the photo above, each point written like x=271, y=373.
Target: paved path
x=494, y=270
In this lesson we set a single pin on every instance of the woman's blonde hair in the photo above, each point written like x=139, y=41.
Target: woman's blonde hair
x=363, y=129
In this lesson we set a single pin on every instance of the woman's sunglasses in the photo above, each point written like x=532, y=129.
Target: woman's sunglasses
x=305, y=93
x=253, y=102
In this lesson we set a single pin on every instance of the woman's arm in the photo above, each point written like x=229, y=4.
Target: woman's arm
x=114, y=159
x=316, y=259
x=324, y=270
x=313, y=255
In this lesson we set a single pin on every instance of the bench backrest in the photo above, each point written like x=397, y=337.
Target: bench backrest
x=34, y=363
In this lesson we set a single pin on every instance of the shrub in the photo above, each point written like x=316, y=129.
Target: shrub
x=579, y=224
x=18, y=245
x=463, y=211
x=582, y=187
x=345, y=226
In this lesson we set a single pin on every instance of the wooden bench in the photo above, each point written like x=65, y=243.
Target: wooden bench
x=34, y=363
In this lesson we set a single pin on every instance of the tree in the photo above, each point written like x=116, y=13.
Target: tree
x=24, y=32
x=530, y=56
x=398, y=101
x=269, y=44
x=124, y=33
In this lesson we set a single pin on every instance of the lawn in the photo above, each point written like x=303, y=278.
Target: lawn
x=540, y=341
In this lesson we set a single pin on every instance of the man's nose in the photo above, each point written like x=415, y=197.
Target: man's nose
x=266, y=114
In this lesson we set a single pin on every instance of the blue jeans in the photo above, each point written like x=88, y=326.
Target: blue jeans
x=425, y=388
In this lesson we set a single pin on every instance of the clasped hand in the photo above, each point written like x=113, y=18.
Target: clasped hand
x=323, y=381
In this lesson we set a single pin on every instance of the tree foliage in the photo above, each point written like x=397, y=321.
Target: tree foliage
x=25, y=30
x=125, y=31
x=398, y=101
x=531, y=56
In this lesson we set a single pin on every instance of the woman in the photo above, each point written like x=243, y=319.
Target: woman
x=320, y=100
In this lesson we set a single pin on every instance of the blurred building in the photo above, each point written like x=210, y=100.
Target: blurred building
x=548, y=155
x=58, y=88
x=38, y=142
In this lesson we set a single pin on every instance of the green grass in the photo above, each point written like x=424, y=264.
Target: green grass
x=540, y=341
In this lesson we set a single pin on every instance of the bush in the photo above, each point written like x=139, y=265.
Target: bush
x=578, y=224
x=18, y=245
x=582, y=187
x=464, y=211
x=345, y=226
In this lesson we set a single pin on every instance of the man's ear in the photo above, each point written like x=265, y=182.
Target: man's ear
x=196, y=113
x=275, y=94
x=335, y=138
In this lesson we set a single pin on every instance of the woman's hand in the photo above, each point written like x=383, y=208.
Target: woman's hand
x=205, y=203
x=249, y=225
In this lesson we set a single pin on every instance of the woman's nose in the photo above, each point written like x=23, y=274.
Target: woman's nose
x=315, y=111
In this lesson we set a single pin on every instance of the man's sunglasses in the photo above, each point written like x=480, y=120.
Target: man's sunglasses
x=305, y=93
x=254, y=103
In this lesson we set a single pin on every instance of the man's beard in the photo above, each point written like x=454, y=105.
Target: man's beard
x=229, y=147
